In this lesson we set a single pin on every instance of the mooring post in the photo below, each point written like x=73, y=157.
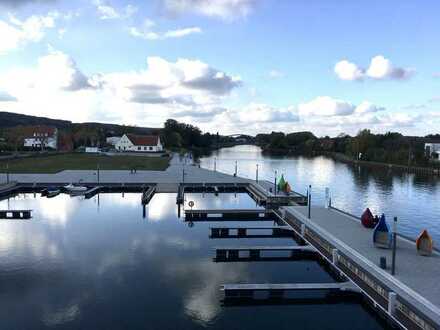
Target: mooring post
x=391, y=302
x=256, y=174
x=334, y=256
x=393, y=260
x=309, y=202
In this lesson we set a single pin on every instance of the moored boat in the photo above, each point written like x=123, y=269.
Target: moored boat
x=50, y=192
x=382, y=237
x=367, y=219
x=424, y=243
x=71, y=188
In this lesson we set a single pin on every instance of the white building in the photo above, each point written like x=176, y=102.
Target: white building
x=41, y=137
x=433, y=150
x=139, y=143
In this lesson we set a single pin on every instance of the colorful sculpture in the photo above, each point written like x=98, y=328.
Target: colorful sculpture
x=424, y=243
x=367, y=219
x=382, y=237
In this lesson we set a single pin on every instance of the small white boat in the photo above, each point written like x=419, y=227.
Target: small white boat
x=52, y=193
x=75, y=189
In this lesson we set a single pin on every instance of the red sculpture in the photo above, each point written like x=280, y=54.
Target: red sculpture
x=367, y=219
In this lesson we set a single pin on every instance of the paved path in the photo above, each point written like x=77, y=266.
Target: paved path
x=172, y=175
x=421, y=274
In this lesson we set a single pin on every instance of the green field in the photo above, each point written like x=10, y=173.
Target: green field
x=78, y=161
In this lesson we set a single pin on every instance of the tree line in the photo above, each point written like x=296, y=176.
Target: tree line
x=391, y=147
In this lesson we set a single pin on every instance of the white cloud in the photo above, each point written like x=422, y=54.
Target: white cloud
x=367, y=107
x=263, y=113
x=17, y=32
x=147, y=32
x=326, y=106
x=275, y=74
x=107, y=12
x=56, y=87
x=346, y=70
x=55, y=71
x=6, y=97
x=223, y=9
x=380, y=68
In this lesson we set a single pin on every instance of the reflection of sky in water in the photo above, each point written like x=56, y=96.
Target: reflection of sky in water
x=98, y=264
x=414, y=199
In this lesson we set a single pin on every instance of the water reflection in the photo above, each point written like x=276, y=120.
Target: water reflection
x=109, y=268
x=413, y=198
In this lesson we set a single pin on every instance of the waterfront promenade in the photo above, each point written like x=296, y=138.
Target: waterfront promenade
x=416, y=279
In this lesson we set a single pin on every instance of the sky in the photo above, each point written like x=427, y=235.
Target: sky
x=228, y=66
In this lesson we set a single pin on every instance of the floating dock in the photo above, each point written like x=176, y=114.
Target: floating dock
x=147, y=195
x=235, y=253
x=243, y=232
x=229, y=215
x=15, y=214
x=92, y=192
x=278, y=290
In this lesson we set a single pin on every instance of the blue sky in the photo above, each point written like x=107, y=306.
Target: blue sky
x=231, y=65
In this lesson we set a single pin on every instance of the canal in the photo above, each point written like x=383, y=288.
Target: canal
x=99, y=264
x=413, y=198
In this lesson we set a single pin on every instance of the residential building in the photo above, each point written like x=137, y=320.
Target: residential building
x=433, y=150
x=139, y=143
x=41, y=137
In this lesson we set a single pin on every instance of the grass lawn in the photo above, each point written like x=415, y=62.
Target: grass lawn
x=79, y=161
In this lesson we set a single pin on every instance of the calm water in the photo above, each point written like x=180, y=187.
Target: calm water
x=414, y=199
x=98, y=264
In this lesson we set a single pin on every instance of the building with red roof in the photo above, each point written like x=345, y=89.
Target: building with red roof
x=139, y=143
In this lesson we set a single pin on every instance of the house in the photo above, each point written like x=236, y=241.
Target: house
x=41, y=137
x=433, y=150
x=139, y=143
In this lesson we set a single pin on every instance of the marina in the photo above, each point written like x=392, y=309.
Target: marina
x=326, y=233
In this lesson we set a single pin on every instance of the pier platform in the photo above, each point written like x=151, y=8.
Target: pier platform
x=411, y=297
x=239, y=290
x=256, y=232
x=228, y=215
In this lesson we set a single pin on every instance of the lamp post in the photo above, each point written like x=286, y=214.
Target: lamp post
x=97, y=172
x=275, y=183
x=235, y=174
x=215, y=164
x=309, y=201
x=256, y=174
x=393, y=260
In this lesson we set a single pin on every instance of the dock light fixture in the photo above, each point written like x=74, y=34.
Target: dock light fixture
x=393, y=260
x=309, y=200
